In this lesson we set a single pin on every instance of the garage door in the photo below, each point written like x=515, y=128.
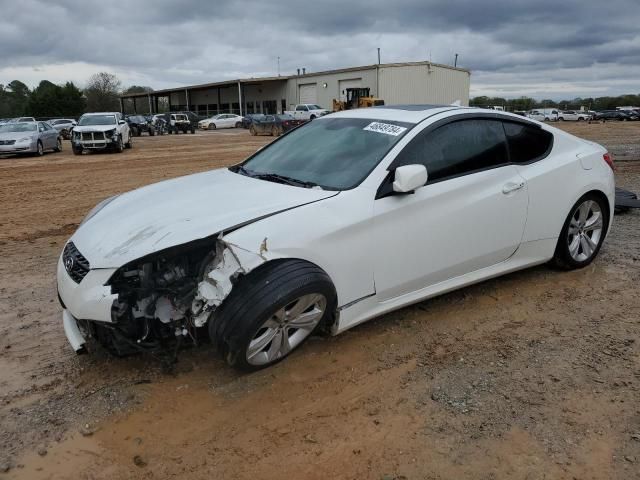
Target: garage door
x=308, y=93
x=351, y=83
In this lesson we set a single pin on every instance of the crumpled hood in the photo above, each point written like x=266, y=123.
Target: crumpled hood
x=181, y=210
x=94, y=128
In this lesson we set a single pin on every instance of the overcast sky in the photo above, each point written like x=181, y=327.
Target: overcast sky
x=540, y=48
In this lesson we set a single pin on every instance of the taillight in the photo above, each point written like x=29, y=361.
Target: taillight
x=609, y=159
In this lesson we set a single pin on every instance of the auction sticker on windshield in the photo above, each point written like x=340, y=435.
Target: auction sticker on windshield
x=385, y=128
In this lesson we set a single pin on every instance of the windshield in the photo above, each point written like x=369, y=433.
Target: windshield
x=19, y=127
x=97, y=120
x=181, y=118
x=315, y=107
x=334, y=153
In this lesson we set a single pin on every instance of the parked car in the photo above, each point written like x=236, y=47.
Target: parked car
x=139, y=125
x=616, y=115
x=159, y=123
x=178, y=122
x=101, y=131
x=29, y=137
x=22, y=120
x=307, y=111
x=544, y=114
x=63, y=126
x=248, y=118
x=222, y=120
x=274, y=124
x=573, y=116
x=343, y=219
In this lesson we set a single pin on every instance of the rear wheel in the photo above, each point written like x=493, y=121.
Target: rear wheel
x=274, y=131
x=582, y=233
x=252, y=130
x=238, y=124
x=289, y=299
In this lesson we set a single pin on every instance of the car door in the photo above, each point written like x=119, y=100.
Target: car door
x=44, y=137
x=470, y=215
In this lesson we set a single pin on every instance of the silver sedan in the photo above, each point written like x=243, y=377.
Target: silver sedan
x=29, y=137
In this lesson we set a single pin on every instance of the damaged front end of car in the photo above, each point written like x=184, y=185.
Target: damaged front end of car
x=165, y=299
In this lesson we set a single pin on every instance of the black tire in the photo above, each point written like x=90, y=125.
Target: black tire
x=253, y=131
x=58, y=145
x=212, y=126
x=238, y=124
x=129, y=144
x=76, y=151
x=274, y=131
x=312, y=117
x=40, y=149
x=152, y=132
x=256, y=297
x=562, y=257
x=118, y=147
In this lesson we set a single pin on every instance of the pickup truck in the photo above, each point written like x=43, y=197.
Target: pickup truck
x=307, y=111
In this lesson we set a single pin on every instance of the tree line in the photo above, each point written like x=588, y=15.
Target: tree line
x=101, y=94
x=527, y=103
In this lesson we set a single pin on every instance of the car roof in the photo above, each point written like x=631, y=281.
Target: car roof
x=100, y=113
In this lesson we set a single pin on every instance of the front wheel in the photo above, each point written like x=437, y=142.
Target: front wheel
x=582, y=233
x=253, y=131
x=129, y=144
x=39, y=149
x=290, y=299
x=76, y=150
x=238, y=124
x=119, y=146
x=58, y=145
x=212, y=126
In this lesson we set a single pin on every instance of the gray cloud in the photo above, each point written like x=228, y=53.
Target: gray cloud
x=513, y=47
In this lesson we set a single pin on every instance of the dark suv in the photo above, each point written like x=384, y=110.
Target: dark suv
x=139, y=124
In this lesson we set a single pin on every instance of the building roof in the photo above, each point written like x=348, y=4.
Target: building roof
x=254, y=80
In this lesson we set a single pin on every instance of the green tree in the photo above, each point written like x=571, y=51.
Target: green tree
x=138, y=89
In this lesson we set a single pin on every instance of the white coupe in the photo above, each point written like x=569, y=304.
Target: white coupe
x=341, y=220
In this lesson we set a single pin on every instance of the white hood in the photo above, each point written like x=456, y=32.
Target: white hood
x=181, y=210
x=94, y=128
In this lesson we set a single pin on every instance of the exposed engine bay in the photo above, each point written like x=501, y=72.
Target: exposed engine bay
x=167, y=298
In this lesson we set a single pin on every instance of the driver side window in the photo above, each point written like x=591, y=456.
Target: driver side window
x=457, y=148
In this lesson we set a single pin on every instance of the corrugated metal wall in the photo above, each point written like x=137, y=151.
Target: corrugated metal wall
x=325, y=95
x=423, y=84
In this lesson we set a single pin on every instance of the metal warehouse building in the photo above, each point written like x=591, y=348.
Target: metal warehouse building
x=395, y=83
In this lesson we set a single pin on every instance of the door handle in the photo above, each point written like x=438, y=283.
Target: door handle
x=512, y=187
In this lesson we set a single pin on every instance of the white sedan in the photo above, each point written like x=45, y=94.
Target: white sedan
x=343, y=219
x=223, y=120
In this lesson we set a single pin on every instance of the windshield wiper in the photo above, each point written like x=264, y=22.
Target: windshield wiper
x=274, y=177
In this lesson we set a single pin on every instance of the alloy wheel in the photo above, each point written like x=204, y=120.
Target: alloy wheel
x=585, y=230
x=286, y=329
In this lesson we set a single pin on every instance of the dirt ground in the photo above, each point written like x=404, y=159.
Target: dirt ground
x=535, y=375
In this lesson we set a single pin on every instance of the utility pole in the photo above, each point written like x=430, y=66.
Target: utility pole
x=278, y=66
x=455, y=61
x=378, y=55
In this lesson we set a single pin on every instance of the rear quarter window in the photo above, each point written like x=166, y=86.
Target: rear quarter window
x=527, y=143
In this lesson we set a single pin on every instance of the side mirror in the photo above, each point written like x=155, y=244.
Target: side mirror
x=408, y=178
x=122, y=122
